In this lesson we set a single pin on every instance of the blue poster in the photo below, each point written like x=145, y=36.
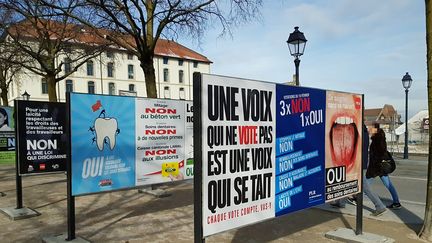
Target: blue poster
x=300, y=148
x=102, y=136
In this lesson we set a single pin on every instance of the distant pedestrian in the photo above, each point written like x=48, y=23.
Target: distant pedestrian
x=380, y=208
x=379, y=205
x=378, y=152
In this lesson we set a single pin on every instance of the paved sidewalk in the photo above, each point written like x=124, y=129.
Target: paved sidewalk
x=410, y=213
x=128, y=216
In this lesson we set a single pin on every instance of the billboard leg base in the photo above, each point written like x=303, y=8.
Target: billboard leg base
x=348, y=235
x=19, y=213
x=62, y=238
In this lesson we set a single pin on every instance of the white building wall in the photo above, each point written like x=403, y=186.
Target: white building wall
x=32, y=83
x=173, y=82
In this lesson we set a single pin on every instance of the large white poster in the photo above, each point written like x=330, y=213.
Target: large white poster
x=238, y=125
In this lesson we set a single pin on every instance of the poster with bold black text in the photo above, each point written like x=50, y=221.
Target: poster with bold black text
x=238, y=127
x=189, y=146
x=42, y=140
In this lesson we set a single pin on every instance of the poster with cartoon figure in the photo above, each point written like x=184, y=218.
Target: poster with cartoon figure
x=343, y=144
x=160, y=132
x=102, y=138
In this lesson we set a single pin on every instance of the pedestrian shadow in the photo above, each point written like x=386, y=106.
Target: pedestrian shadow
x=409, y=218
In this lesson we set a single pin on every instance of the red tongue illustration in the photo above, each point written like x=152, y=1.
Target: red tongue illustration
x=343, y=141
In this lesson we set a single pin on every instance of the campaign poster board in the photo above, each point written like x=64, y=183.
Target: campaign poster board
x=238, y=129
x=42, y=139
x=7, y=135
x=189, y=145
x=160, y=130
x=300, y=149
x=120, y=142
x=343, y=144
x=269, y=149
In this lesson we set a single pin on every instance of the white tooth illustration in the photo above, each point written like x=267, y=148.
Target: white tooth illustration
x=105, y=128
x=344, y=120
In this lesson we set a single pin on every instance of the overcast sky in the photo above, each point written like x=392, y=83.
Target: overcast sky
x=354, y=46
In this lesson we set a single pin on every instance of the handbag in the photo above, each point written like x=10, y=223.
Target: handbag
x=388, y=164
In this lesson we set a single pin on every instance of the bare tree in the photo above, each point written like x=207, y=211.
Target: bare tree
x=9, y=56
x=137, y=25
x=9, y=70
x=426, y=231
x=53, y=46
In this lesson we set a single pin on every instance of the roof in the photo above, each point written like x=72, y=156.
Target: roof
x=386, y=111
x=372, y=112
x=174, y=49
x=69, y=32
x=79, y=34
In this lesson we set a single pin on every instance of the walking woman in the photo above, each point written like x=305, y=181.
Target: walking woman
x=378, y=152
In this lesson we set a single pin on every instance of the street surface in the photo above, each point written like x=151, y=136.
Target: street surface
x=128, y=216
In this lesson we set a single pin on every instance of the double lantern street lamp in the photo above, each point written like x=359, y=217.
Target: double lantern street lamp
x=406, y=82
x=296, y=44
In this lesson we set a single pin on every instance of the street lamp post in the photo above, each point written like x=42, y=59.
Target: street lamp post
x=26, y=96
x=406, y=82
x=296, y=44
x=18, y=179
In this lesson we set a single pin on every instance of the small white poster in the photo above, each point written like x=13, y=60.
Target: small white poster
x=160, y=134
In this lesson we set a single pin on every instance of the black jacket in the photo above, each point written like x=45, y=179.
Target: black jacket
x=365, y=148
x=377, y=152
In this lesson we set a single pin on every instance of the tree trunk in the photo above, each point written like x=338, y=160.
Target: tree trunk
x=150, y=77
x=4, y=97
x=52, y=95
x=426, y=231
x=3, y=86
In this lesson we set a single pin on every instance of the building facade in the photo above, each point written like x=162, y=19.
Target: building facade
x=117, y=72
x=387, y=117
